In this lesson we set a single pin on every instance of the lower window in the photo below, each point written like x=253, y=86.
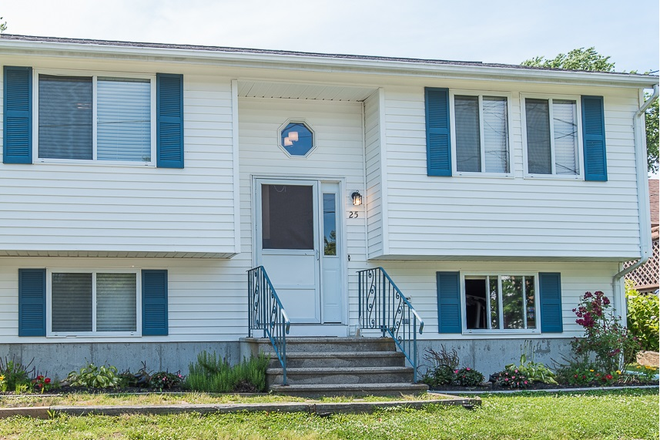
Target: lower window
x=500, y=302
x=93, y=302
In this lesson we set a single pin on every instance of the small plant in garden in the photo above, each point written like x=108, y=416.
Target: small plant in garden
x=643, y=317
x=212, y=374
x=135, y=380
x=443, y=365
x=606, y=343
x=511, y=377
x=164, y=380
x=533, y=371
x=16, y=376
x=92, y=376
x=468, y=377
x=42, y=384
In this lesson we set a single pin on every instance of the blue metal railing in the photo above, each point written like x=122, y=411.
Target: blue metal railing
x=265, y=312
x=382, y=306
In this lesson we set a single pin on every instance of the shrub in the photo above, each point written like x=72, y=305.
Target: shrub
x=164, y=380
x=138, y=380
x=467, y=377
x=92, y=376
x=606, y=343
x=212, y=374
x=42, y=384
x=581, y=374
x=15, y=375
x=533, y=371
x=511, y=377
x=643, y=317
x=443, y=365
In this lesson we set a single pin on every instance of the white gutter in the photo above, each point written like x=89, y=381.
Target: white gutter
x=645, y=240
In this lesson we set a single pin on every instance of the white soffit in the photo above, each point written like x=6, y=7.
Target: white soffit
x=318, y=92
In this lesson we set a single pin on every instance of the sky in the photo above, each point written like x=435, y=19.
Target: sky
x=465, y=30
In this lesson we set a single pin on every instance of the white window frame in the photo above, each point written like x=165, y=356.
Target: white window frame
x=452, y=117
x=579, y=152
x=503, y=331
x=94, y=75
x=93, y=334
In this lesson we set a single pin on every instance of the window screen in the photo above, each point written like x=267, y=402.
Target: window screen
x=287, y=217
x=115, y=302
x=539, y=156
x=468, y=144
x=65, y=117
x=72, y=302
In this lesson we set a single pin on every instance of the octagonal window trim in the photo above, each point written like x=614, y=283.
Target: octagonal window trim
x=296, y=138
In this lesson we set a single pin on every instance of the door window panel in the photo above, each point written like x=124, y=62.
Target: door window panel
x=287, y=217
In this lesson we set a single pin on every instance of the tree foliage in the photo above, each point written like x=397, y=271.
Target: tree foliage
x=577, y=59
x=590, y=60
x=3, y=26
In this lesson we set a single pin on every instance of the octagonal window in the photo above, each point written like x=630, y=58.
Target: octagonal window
x=297, y=139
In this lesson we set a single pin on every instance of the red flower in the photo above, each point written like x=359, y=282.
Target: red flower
x=47, y=380
x=609, y=377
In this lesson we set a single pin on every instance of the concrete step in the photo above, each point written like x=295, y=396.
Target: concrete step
x=363, y=389
x=324, y=344
x=340, y=375
x=342, y=359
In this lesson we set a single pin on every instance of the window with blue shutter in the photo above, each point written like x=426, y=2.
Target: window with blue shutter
x=154, y=303
x=32, y=302
x=169, y=113
x=593, y=133
x=438, y=144
x=17, y=124
x=449, y=302
x=550, y=299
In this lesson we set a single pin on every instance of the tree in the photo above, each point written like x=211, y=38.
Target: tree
x=590, y=60
x=3, y=26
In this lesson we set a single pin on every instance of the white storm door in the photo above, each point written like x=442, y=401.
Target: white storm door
x=287, y=242
x=331, y=255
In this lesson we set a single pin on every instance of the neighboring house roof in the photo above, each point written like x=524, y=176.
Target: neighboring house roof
x=395, y=64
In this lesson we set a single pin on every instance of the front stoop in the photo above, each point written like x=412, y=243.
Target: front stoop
x=339, y=367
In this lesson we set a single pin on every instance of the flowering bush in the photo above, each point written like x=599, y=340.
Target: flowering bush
x=606, y=341
x=165, y=381
x=585, y=376
x=468, y=377
x=42, y=384
x=643, y=317
x=511, y=377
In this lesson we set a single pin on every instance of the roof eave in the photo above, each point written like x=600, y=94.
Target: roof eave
x=325, y=63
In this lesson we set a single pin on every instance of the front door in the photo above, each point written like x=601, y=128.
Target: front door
x=297, y=243
x=287, y=240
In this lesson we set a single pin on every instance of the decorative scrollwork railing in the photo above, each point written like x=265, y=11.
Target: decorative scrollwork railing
x=265, y=312
x=382, y=306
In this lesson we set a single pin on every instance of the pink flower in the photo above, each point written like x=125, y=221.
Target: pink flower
x=468, y=369
x=525, y=382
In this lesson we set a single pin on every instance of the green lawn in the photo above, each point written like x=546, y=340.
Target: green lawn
x=630, y=414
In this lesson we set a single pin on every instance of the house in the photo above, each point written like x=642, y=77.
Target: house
x=645, y=277
x=140, y=182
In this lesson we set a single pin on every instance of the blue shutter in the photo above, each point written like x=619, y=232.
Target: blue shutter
x=593, y=133
x=438, y=145
x=154, y=303
x=169, y=114
x=449, y=302
x=31, y=302
x=17, y=123
x=550, y=292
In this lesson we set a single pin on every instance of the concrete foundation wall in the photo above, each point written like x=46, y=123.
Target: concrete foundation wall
x=489, y=356
x=58, y=360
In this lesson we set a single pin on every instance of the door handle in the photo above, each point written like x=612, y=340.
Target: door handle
x=318, y=255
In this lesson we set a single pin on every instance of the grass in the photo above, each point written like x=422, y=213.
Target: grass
x=624, y=414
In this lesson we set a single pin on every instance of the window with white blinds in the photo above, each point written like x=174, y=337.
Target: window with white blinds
x=552, y=136
x=95, y=118
x=93, y=303
x=481, y=134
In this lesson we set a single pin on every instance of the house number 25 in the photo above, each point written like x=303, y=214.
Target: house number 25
x=352, y=214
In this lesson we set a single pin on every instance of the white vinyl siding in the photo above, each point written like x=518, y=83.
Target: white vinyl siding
x=519, y=217
x=374, y=202
x=109, y=209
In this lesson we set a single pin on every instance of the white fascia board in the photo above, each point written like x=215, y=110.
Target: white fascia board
x=323, y=63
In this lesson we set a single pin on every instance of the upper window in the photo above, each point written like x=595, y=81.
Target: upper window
x=552, y=136
x=296, y=139
x=500, y=302
x=481, y=134
x=95, y=118
x=93, y=303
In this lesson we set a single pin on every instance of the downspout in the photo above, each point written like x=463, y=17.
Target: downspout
x=643, y=203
